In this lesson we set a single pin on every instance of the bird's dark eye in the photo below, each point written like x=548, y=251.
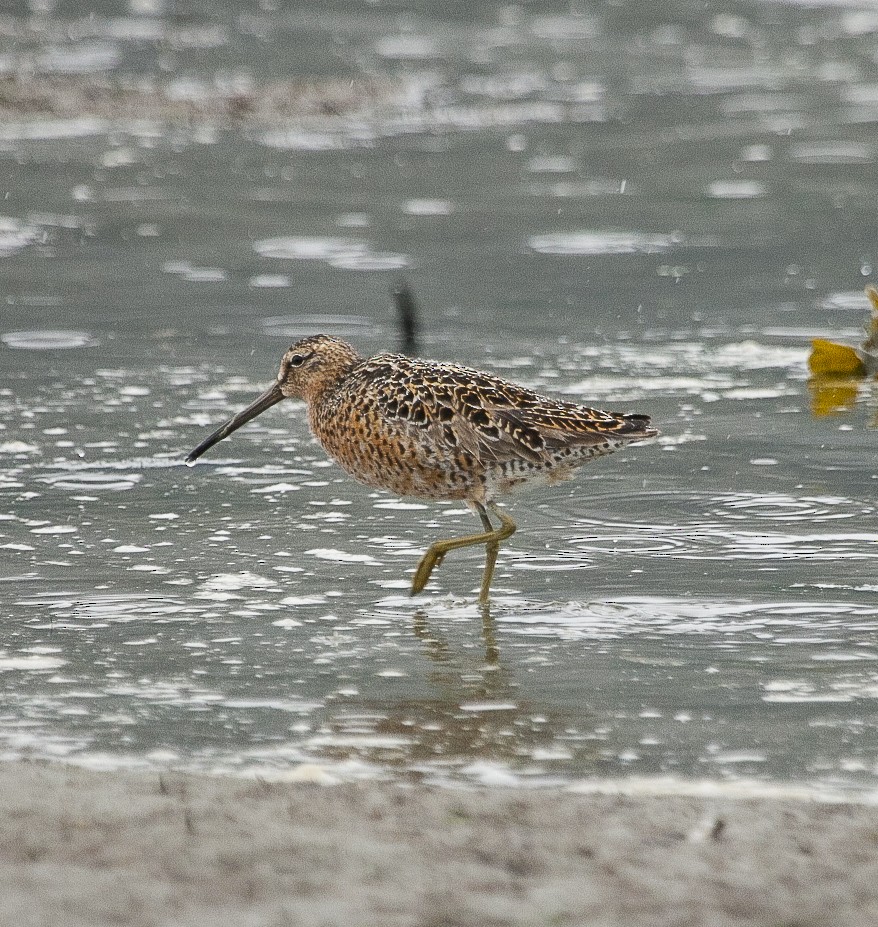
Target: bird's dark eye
x=297, y=360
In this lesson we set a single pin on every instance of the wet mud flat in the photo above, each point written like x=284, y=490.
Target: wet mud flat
x=87, y=848
x=112, y=97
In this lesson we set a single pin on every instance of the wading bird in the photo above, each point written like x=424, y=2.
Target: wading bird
x=438, y=431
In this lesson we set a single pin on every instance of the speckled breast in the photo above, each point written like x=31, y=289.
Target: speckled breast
x=393, y=454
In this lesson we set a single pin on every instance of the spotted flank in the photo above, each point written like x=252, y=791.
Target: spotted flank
x=438, y=431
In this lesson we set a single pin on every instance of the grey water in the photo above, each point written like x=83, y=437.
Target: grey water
x=640, y=208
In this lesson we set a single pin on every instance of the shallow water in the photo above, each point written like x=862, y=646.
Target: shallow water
x=641, y=211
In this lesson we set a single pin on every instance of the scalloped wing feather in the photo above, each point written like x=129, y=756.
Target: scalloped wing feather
x=488, y=417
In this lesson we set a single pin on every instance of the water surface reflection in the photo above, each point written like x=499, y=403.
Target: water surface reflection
x=632, y=208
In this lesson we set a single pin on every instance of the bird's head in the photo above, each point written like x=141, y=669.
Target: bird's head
x=314, y=364
x=308, y=368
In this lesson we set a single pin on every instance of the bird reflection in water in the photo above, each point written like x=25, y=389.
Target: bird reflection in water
x=471, y=720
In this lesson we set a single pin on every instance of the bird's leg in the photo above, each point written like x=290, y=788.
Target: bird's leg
x=506, y=529
x=491, y=538
x=436, y=554
x=491, y=550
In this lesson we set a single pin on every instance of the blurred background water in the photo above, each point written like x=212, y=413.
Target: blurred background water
x=638, y=206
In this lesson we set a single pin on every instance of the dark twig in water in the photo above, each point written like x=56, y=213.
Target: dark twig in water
x=407, y=315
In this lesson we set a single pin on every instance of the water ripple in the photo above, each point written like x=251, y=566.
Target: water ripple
x=301, y=248
x=597, y=242
x=298, y=326
x=91, y=480
x=343, y=253
x=782, y=507
x=48, y=340
x=706, y=526
x=661, y=616
x=15, y=235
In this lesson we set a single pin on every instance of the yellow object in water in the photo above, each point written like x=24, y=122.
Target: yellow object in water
x=831, y=359
x=837, y=369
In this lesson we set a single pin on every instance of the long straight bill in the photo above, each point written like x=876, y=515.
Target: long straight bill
x=271, y=397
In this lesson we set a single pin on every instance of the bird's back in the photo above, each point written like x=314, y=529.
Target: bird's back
x=444, y=431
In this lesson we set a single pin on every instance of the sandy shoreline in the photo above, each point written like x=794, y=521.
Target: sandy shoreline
x=91, y=848
x=109, y=96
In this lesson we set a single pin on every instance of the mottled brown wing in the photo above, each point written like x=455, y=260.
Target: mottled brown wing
x=486, y=416
x=551, y=425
